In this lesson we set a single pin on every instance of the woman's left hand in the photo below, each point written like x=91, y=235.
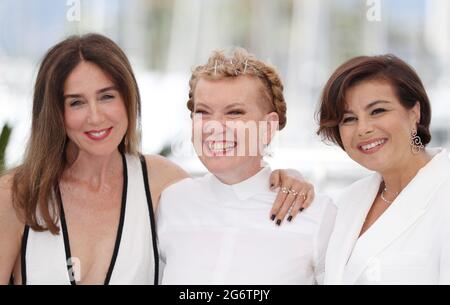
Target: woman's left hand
x=294, y=195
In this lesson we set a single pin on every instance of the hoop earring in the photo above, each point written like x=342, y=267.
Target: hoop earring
x=416, y=143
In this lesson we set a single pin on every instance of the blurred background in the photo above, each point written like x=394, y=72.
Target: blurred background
x=164, y=39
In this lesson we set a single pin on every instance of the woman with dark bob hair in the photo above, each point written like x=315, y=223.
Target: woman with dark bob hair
x=392, y=227
x=80, y=208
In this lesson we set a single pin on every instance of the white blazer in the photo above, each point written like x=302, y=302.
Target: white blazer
x=410, y=241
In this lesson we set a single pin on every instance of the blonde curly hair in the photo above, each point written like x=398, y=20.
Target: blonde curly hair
x=238, y=63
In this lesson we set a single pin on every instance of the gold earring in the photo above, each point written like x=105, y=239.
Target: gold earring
x=416, y=142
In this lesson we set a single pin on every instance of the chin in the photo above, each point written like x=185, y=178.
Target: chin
x=373, y=164
x=100, y=151
x=218, y=165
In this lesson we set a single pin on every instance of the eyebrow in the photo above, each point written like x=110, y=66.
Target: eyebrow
x=229, y=106
x=234, y=105
x=370, y=105
x=96, y=92
x=201, y=105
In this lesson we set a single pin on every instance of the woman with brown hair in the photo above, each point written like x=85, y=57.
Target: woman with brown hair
x=80, y=208
x=392, y=227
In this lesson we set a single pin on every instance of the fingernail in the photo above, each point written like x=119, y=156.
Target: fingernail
x=301, y=209
x=278, y=222
x=272, y=217
x=289, y=218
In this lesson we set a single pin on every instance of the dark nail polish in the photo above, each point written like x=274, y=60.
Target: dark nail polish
x=289, y=218
x=278, y=222
x=301, y=209
x=272, y=217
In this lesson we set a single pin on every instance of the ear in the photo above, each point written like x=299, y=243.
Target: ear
x=415, y=114
x=272, y=123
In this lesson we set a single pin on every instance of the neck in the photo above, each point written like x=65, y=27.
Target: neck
x=236, y=175
x=92, y=171
x=396, y=179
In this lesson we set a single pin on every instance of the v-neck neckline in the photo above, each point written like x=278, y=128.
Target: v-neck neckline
x=65, y=232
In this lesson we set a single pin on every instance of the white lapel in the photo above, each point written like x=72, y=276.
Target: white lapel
x=353, y=207
x=408, y=207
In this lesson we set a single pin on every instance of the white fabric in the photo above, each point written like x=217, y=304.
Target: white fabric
x=46, y=257
x=213, y=233
x=409, y=242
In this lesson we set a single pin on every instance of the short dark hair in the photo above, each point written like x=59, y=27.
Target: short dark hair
x=406, y=84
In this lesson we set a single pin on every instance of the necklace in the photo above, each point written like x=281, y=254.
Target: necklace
x=384, y=198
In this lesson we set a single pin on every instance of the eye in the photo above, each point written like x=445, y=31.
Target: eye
x=349, y=119
x=107, y=97
x=200, y=111
x=236, y=112
x=75, y=103
x=377, y=111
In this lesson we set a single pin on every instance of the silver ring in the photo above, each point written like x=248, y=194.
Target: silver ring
x=291, y=191
x=284, y=190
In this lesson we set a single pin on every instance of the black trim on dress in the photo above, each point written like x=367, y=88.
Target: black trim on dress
x=152, y=217
x=119, y=229
x=23, y=253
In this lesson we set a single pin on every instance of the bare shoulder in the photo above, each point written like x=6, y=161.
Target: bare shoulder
x=11, y=229
x=6, y=193
x=162, y=173
x=8, y=215
x=166, y=170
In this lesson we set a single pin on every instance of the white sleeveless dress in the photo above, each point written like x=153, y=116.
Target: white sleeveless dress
x=46, y=258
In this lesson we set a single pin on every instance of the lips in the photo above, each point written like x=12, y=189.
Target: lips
x=372, y=146
x=98, y=135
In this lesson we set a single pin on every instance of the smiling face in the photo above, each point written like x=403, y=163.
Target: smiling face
x=376, y=127
x=233, y=119
x=94, y=111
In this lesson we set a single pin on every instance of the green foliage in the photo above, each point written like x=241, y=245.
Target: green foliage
x=165, y=151
x=4, y=139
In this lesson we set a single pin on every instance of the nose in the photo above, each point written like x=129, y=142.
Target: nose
x=219, y=118
x=216, y=121
x=95, y=116
x=364, y=127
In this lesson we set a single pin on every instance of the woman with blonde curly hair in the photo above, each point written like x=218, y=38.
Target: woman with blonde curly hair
x=217, y=233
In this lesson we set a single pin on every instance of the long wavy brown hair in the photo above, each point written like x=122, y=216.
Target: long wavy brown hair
x=36, y=179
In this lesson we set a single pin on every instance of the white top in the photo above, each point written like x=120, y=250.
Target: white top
x=408, y=244
x=46, y=255
x=213, y=233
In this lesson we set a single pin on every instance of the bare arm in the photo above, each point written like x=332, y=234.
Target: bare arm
x=11, y=229
x=162, y=173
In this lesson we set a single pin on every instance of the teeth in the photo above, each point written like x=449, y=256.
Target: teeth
x=98, y=134
x=372, y=145
x=220, y=146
